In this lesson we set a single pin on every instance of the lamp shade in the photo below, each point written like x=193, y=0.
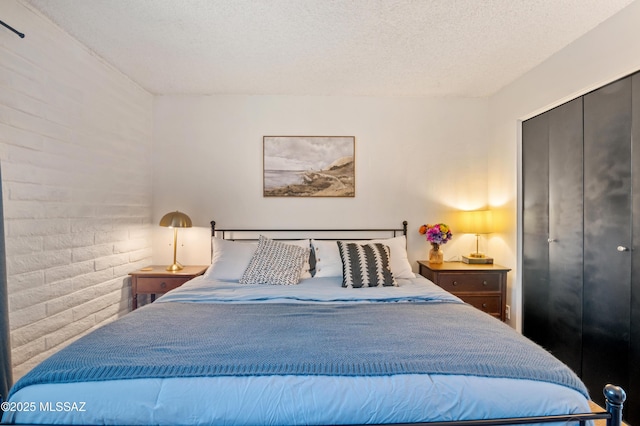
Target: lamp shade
x=176, y=220
x=476, y=222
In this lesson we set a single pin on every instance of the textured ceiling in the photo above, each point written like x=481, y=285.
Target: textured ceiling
x=326, y=47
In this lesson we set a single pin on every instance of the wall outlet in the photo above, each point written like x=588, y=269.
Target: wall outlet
x=507, y=312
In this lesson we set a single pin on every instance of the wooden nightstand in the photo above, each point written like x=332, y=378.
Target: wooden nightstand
x=483, y=286
x=157, y=280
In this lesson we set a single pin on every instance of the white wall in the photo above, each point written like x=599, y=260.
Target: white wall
x=75, y=150
x=416, y=159
x=606, y=53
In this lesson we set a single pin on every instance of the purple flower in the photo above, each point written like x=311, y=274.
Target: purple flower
x=436, y=234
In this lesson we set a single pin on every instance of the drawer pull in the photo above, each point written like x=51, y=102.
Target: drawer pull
x=163, y=285
x=455, y=283
x=484, y=305
x=484, y=282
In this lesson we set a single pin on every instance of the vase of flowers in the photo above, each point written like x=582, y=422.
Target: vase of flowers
x=437, y=235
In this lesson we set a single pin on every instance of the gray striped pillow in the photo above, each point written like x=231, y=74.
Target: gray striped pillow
x=365, y=265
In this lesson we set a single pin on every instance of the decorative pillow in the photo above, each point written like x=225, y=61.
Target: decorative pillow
x=365, y=265
x=305, y=272
x=229, y=259
x=329, y=264
x=275, y=262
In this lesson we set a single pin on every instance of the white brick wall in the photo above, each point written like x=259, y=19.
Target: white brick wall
x=75, y=151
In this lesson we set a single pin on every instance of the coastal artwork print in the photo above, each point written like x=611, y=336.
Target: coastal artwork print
x=309, y=166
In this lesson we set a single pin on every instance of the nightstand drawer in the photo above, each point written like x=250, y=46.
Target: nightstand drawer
x=489, y=304
x=456, y=282
x=160, y=284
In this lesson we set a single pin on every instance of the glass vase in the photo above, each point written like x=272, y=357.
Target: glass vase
x=435, y=254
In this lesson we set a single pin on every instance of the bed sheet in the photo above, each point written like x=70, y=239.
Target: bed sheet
x=295, y=399
x=279, y=400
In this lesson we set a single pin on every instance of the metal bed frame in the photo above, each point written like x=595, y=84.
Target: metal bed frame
x=228, y=233
x=615, y=396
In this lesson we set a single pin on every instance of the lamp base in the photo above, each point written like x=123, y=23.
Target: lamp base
x=175, y=267
x=474, y=260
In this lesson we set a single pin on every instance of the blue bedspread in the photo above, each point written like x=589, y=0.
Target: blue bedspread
x=190, y=340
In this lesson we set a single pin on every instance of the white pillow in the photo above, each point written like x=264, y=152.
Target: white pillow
x=400, y=266
x=230, y=258
x=329, y=263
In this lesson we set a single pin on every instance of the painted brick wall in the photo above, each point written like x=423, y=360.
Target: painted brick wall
x=75, y=151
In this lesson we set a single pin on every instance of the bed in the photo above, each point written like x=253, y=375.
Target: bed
x=305, y=327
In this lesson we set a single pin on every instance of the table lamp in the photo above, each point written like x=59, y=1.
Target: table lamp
x=175, y=220
x=476, y=222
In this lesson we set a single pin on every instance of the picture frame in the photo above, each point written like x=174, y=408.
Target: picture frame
x=309, y=166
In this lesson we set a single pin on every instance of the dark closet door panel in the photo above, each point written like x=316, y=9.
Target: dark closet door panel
x=535, y=175
x=566, y=233
x=607, y=218
x=632, y=407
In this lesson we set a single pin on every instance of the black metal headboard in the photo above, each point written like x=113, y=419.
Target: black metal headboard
x=318, y=234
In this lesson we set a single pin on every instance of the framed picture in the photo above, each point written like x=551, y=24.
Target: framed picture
x=309, y=166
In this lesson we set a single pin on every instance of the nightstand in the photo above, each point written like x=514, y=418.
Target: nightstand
x=157, y=280
x=482, y=286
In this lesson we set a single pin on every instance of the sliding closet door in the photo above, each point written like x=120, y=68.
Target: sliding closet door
x=552, y=188
x=535, y=219
x=566, y=233
x=607, y=236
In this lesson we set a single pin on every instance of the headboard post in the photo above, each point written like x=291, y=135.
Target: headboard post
x=404, y=227
x=213, y=228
